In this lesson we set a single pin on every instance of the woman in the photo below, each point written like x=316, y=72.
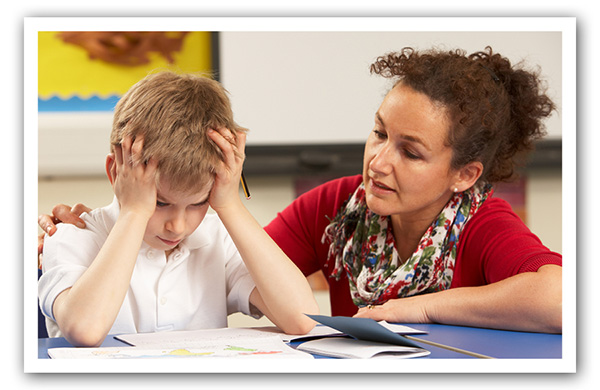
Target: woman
x=419, y=237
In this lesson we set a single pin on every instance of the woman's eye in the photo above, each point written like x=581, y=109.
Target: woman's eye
x=411, y=155
x=161, y=204
x=379, y=134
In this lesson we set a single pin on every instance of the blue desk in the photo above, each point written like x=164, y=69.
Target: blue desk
x=489, y=342
x=494, y=343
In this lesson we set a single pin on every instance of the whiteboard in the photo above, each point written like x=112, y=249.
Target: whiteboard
x=314, y=87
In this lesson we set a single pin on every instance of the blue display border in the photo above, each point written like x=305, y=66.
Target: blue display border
x=95, y=103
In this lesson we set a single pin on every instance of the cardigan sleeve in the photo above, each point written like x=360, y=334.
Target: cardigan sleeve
x=496, y=245
x=299, y=228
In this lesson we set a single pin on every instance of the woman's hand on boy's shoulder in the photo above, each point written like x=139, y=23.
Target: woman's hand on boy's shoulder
x=63, y=213
x=60, y=213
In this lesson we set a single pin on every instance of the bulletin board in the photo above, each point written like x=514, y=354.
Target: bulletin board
x=90, y=70
x=83, y=74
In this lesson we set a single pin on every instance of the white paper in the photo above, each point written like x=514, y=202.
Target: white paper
x=264, y=347
x=358, y=349
x=190, y=338
x=195, y=338
x=401, y=329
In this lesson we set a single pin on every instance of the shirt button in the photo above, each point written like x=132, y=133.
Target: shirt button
x=150, y=254
x=163, y=301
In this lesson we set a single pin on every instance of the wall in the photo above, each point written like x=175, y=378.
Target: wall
x=313, y=87
x=319, y=86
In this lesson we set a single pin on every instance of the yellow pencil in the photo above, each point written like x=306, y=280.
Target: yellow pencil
x=245, y=186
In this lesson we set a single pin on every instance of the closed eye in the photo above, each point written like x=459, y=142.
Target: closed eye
x=411, y=155
x=379, y=134
x=199, y=204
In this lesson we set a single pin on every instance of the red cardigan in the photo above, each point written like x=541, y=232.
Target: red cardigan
x=494, y=245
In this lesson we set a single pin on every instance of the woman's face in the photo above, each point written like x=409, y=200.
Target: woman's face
x=406, y=166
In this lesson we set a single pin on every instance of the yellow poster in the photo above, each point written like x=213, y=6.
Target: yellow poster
x=91, y=70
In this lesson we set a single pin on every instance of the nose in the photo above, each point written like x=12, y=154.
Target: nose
x=381, y=160
x=176, y=223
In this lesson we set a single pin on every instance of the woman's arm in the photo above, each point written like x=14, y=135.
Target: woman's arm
x=86, y=312
x=530, y=301
x=282, y=292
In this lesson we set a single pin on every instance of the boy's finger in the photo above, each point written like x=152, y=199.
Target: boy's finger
x=237, y=142
x=119, y=155
x=241, y=145
x=136, y=150
x=151, y=167
x=220, y=140
x=241, y=141
x=227, y=134
x=126, y=151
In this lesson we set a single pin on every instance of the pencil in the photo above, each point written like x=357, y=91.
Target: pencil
x=245, y=186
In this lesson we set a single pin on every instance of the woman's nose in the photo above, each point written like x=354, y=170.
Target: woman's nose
x=380, y=160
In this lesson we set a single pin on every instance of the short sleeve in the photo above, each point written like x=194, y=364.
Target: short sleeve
x=67, y=255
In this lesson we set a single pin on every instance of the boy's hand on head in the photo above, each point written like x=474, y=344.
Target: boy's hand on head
x=227, y=180
x=134, y=182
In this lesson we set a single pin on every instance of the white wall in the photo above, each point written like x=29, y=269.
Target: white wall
x=315, y=87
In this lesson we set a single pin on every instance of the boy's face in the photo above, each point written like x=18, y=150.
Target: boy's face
x=177, y=215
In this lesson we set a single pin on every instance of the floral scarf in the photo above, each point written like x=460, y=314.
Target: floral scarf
x=362, y=244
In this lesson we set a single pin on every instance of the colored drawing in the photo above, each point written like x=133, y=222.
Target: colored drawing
x=229, y=351
x=185, y=352
x=233, y=348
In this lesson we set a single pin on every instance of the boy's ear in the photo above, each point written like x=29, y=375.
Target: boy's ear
x=468, y=175
x=111, y=168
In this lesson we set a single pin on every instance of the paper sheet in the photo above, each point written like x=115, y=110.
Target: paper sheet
x=359, y=349
x=191, y=337
x=262, y=347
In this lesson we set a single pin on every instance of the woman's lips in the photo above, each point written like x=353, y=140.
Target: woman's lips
x=380, y=187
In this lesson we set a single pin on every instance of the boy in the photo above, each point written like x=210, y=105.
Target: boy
x=154, y=260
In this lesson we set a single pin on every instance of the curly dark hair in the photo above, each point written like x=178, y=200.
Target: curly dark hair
x=497, y=109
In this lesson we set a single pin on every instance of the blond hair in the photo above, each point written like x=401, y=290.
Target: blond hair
x=174, y=112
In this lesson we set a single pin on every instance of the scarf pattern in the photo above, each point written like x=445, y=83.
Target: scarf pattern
x=362, y=245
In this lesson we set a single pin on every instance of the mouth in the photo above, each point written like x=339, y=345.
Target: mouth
x=170, y=242
x=380, y=187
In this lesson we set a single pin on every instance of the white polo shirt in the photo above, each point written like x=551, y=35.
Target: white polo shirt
x=202, y=282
